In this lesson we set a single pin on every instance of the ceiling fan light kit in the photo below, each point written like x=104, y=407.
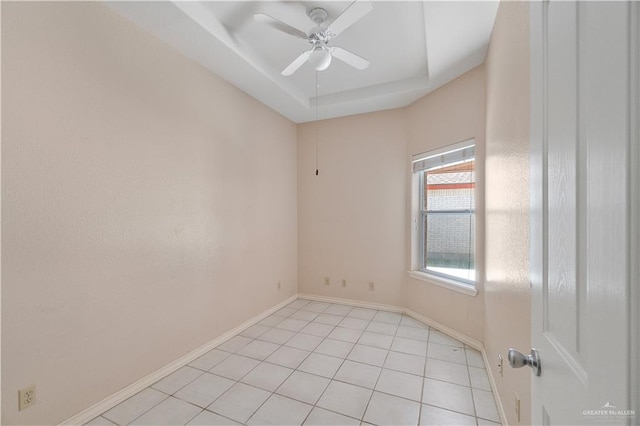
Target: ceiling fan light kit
x=319, y=57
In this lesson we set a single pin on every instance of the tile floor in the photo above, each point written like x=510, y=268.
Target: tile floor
x=317, y=363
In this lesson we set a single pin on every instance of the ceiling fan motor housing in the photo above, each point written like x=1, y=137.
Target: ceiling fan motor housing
x=318, y=15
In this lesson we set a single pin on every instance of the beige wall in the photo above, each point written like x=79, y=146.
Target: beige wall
x=453, y=113
x=353, y=219
x=507, y=295
x=138, y=201
x=352, y=216
x=148, y=206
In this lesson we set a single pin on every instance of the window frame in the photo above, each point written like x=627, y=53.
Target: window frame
x=418, y=269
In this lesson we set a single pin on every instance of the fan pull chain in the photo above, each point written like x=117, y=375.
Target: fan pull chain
x=316, y=123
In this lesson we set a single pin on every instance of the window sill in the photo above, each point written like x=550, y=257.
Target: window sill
x=443, y=282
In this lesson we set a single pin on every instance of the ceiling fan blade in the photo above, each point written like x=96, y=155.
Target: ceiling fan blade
x=355, y=11
x=279, y=25
x=349, y=58
x=297, y=63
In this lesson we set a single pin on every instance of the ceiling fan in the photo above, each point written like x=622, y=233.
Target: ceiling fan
x=321, y=53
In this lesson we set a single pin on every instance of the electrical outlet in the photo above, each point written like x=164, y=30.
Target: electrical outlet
x=26, y=397
x=500, y=370
x=372, y=286
x=279, y=285
x=344, y=283
x=518, y=408
x=327, y=281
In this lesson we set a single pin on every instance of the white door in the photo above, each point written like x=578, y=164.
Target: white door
x=584, y=159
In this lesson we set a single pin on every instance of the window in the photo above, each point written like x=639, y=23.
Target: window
x=445, y=212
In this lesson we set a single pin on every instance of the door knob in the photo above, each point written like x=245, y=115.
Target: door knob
x=518, y=359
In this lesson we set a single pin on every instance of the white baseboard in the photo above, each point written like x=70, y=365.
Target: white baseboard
x=350, y=302
x=475, y=344
x=494, y=388
x=111, y=401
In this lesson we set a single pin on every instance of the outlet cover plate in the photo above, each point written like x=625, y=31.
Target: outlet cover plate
x=26, y=397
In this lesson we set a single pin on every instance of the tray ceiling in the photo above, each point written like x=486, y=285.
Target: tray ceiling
x=413, y=48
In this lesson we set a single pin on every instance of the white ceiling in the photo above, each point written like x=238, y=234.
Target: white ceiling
x=414, y=47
